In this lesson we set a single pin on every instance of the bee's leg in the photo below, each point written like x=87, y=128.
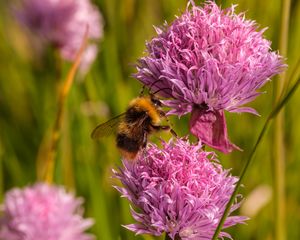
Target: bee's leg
x=160, y=128
x=173, y=132
x=163, y=114
x=144, y=145
x=164, y=128
x=145, y=139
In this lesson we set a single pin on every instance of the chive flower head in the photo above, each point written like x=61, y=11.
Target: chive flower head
x=62, y=24
x=178, y=189
x=207, y=61
x=43, y=212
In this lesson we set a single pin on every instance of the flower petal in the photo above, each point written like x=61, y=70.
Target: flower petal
x=210, y=127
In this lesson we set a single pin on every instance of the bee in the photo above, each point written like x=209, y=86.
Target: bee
x=142, y=117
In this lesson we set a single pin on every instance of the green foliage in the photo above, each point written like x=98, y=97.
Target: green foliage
x=28, y=104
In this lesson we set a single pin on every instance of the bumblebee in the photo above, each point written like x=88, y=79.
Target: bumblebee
x=142, y=117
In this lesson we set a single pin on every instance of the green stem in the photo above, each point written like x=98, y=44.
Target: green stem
x=279, y=154
x=273, y=114
x=1, y=171
x=279, y=159
x=290, y=93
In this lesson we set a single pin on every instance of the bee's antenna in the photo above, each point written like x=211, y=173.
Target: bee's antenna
x=152, y=84
x=163, y=89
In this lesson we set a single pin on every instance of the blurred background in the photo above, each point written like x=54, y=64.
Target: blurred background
x=28, y=105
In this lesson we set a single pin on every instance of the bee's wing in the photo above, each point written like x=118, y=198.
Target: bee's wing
x=107, y=128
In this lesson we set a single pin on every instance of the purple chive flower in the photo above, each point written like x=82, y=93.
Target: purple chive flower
x=209, y=60
x=43, y=212
x=179, y=189
x=62, y=23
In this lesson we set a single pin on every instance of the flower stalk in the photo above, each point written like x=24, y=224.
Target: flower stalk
x=279, y=151
x=47, y=175
x=1, y=169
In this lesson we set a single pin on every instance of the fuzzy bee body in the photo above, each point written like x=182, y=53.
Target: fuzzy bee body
x=142, y=117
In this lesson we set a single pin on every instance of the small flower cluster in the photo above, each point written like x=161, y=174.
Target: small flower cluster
x=62, y=24
x=43, y=212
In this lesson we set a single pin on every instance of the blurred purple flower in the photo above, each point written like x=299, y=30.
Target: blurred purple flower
x=179, y=189
x=43, y=212
x=207, y=61
x=62, y=23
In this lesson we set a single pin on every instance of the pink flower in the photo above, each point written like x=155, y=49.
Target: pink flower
x=62, y=23
x=207, y=61
x=43, y=212
x=179, y=189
